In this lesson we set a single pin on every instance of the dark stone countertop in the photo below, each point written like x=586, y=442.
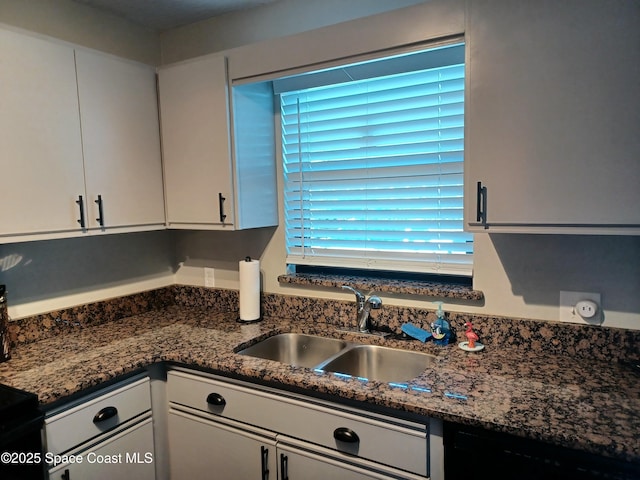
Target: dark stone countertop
x=586, y=404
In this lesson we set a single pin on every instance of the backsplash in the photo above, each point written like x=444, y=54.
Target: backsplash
x=586, y=341
x=526, y=335
x=38, y=327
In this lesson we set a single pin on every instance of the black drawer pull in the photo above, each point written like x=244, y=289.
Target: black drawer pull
x=100, y=218
x=80, y=203
x=481, y=204
x=221, y=200
x=105, y=414
x=264, y=456
x=346, y=435
x=216, y=399
x=284, y=467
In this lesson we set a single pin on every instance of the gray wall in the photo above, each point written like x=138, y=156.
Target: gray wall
x=51, y=274
x=277, y=19
x=83, y=25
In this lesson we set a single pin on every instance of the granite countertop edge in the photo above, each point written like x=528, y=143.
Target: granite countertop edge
x=592, y=406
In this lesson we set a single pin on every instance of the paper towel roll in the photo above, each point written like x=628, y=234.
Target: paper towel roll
x=249, y=290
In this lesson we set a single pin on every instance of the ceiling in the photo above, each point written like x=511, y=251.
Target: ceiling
x=162, y=15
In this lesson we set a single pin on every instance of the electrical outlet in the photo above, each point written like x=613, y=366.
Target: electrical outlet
x=586, y=309
x=580, y=307
x=209, y=277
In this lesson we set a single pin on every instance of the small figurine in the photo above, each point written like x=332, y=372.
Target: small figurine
x=472, y=344
x=471, y=335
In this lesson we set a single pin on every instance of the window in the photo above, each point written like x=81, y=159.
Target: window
x=373, y=162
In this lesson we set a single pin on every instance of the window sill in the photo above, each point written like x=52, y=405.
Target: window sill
x=385, y=285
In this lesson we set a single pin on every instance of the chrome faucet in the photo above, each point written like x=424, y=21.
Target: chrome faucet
x=364, y=308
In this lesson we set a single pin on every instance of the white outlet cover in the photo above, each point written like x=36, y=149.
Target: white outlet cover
x=568, y=301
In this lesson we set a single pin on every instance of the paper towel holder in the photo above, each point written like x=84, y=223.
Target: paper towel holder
x=249, y=322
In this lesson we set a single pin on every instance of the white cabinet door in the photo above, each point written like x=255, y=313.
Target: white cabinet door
x=40, y=153
x=194, y=105
x=200, y=448
x=121, y=141
x=299, y=464
x=129, y=454
x=552, y=115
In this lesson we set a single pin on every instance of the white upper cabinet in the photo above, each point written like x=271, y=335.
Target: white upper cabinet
x=210, y=181
x=121, y=142
x=196, y=144
x=76, y=126
x=552, y=117
x=40, y=145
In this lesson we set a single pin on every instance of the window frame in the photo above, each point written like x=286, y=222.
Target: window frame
x=309, y=264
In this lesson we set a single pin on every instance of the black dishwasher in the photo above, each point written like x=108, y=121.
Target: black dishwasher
x=471, y=452
x=21, y=455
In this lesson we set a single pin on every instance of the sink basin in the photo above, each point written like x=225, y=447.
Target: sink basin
x=380, y=363
x=372, y=362
x=296, y=349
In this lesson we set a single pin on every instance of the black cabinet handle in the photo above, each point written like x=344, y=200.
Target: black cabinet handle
x=481, y=204
x=100, y=218
x=66, y=475
x=221, y=200
x=105, y=414
x=346, y=435
x=216, y=399
x=80, y=203
x=264, y=453
x=284, y=467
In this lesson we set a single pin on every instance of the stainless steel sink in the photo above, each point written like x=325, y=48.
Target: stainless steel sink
x=372, y=362
x=296, y=349
x=380, y=363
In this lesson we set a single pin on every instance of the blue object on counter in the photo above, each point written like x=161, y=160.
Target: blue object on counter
x=416, y=332
x=440, y=328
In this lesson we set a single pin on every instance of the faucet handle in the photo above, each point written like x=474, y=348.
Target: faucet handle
x=351, y=289
x=360, y=298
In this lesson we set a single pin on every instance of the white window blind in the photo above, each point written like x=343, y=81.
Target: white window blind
x=374, y=172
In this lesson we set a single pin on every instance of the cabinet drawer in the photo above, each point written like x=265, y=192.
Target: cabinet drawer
x=131, y=448
x=72, y=427
x=399, y=444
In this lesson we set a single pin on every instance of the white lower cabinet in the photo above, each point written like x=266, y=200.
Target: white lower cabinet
x=125, y=454
x=207, y=426
x=104, y=435
x=200, y=446
x=301, y=464
x=238, y=430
